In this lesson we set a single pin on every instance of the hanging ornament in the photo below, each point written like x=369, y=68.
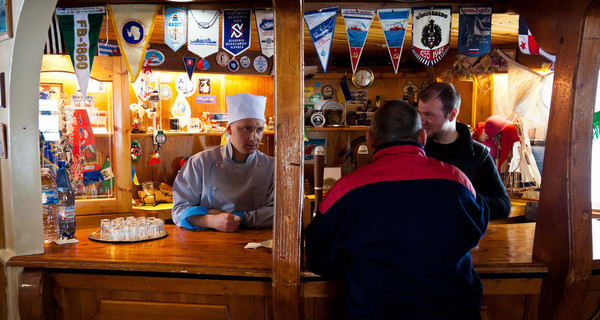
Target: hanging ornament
x=136, y=150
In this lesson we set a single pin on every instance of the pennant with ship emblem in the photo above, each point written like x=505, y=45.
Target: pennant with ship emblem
x=321, y=25
x=175, y=27
x=203, y=32
x=474, y=30
x=236, y=30
x=358, y=23
x=133, y=25
x=393, y=23
x=81, y=29
x=527, y=43
x=265, y=25
x=431, y=33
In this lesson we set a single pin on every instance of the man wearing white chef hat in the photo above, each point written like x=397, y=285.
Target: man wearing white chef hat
x=232, y=185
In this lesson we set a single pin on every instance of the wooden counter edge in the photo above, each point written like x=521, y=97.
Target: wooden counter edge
x=37, y=261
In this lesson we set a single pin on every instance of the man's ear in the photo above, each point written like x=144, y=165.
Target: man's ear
x=370, y=142
x=453, y=114
x=228, y=129
x=422, y=136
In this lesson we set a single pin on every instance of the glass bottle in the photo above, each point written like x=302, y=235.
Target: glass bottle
x=49, y=203
x=66, y=203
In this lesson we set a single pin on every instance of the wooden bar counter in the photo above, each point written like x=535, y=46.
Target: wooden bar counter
x=207, y=274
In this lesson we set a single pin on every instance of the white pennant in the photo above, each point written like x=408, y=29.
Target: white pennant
x=203, y=32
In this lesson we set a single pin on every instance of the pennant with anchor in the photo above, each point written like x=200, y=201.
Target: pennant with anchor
x=133, y=25
x=394, y=23
x=358, y=23
x=431, y=33
x=175, y=27
x=81, y=29
x=321, y=25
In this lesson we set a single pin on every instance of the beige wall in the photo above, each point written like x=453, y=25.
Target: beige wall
x=21, y=60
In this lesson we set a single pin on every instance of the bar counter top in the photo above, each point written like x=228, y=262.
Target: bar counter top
x=505, y=249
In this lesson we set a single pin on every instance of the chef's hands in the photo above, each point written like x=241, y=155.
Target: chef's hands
x=218, y=220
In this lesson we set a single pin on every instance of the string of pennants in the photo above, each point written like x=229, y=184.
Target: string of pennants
x=431, y=31
x=133, y=24
x=202, y=31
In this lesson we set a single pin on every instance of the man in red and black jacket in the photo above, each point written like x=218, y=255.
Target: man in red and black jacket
x=398, y=231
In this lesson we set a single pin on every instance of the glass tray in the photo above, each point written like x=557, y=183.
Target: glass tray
x=95, y=236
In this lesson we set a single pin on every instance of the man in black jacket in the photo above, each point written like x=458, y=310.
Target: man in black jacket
x=451, y=142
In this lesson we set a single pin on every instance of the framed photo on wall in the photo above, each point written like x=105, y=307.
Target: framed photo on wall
x=5, y=20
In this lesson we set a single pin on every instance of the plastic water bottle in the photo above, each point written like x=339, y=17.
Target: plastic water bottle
x=49, y=200
x=66, y=203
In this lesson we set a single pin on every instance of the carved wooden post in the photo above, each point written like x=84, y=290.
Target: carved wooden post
x=563, y=229
x=289, y=170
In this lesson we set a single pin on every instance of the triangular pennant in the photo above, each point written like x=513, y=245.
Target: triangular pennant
x=133, y=25
x=175, y=27
x=527, y=43
x=394, y=23
x=236, y=30
x=203, y=32
x=431, y=33
x=321, y=25
x=190, y=64
x=358, y=23
x=265, y=26
x=474, y=30
x=81, y=29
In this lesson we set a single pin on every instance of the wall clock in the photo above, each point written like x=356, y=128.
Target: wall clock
x=363, y=77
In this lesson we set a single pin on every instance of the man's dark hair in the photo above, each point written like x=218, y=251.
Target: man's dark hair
x=395, y=121
x=447, y=94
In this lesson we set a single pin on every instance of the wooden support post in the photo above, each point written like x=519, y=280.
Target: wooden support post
x=289, y=172
x=563, y=229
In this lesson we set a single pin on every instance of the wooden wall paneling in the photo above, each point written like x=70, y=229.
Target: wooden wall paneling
x=289, y=112
x=178, y=146
x=85, y=296
x=591, y=305
x=563, y=229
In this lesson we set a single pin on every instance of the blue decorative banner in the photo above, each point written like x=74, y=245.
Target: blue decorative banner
x=175, y=27
x=358, y=23
x=321, y=25
x=474, y=30
x=394, y=23
x=431, y=33
x=236, y=30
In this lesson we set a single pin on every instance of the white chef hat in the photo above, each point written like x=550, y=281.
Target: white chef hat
x=245, y=106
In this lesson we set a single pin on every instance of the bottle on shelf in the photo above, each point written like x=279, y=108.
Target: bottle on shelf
x=66, y=203
x=271, y=124
x=49, y=204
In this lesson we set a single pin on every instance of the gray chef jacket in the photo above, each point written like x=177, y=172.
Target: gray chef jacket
x=211, y=179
